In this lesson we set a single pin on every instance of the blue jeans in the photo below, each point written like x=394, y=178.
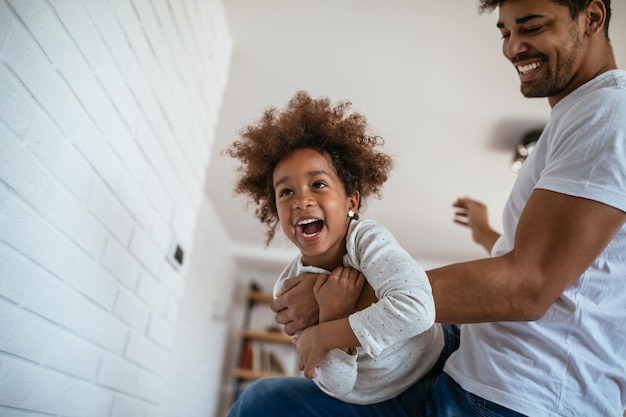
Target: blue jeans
x=435, y=395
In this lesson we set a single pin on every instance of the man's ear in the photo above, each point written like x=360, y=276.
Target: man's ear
x=595, y=14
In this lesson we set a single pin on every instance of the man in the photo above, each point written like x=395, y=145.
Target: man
x=544, y=317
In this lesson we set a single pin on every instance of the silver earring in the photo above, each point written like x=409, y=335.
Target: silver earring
x=350, y=213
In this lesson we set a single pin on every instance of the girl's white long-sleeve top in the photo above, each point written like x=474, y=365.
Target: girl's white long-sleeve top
x=400, y=341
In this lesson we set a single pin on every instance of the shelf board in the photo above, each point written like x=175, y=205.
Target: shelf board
x=250, y=375
x=266, y=336
x=259, y=296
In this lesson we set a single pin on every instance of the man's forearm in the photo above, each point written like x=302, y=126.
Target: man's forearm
x=460, y=301
x=366, y=299
x=485, y=290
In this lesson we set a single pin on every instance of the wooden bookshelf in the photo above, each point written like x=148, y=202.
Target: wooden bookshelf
x=266, y=336
x=256, y=358
x=259, y=296
x=250, y=375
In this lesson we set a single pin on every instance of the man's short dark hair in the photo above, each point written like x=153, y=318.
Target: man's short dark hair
x=574, y=6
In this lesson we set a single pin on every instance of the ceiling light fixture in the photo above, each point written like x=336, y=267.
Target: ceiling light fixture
x=524, y=148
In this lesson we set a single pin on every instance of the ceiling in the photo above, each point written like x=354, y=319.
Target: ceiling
x=431, y=80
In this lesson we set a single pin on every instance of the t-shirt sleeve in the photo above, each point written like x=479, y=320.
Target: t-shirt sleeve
x=588, y=158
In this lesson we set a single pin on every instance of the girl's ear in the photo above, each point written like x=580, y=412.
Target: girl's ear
x=354, y=202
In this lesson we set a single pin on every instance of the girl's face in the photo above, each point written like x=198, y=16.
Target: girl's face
x=313, y=206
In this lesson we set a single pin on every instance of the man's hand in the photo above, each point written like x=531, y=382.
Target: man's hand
x=295, y=305
x=338, y=293
x=473, y=214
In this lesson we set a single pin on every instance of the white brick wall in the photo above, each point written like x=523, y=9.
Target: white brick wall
x=107, y=115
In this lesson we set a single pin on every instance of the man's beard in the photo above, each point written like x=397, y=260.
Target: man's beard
x=555, y=82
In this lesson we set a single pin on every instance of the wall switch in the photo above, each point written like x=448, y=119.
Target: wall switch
x=176, y=256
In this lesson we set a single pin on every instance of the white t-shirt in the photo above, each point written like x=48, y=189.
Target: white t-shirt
x=572, y=361
x=399, y=340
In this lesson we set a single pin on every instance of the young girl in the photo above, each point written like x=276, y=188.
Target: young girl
x=309, y=167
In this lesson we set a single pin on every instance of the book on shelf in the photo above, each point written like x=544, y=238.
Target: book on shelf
x=260, y=358
x=246, y=355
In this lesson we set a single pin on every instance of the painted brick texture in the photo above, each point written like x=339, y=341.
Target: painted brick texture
x=107, y=116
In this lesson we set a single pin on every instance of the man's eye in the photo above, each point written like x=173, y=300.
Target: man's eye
x=533, y=29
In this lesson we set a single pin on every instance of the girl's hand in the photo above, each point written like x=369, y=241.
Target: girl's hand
x=310, y=351
x=338, y=293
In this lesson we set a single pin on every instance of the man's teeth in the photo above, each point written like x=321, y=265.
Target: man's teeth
x=527, y=68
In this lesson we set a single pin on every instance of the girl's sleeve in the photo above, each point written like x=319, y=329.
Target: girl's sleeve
x=337, y=373
x=405, y=306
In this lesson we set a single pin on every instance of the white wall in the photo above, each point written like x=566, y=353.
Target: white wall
x=107, y=116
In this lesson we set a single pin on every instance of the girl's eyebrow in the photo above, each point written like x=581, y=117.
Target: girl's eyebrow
x=281, y=181
x=521, y=20
x=312, y=173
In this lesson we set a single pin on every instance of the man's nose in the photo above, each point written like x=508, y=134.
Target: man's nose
x=513, y=46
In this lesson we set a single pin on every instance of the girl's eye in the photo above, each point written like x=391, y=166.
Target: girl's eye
x=319, y=184
x=284, y=192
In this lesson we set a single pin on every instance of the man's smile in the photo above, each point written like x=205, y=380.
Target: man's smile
x=525, y=69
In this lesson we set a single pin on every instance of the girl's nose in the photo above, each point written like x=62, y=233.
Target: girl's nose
x=304, y=200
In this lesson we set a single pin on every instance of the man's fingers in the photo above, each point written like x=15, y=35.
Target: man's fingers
x=360, y=279
x=282, y=318
x=280, y=302
x=276, y=305
x=289, y=284
x=319, y=282
x=354, y=275
x=291, y=328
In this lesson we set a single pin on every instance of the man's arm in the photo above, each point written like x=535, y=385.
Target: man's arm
x=557, y=238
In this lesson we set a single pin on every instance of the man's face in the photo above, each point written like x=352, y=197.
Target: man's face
x=544, y=44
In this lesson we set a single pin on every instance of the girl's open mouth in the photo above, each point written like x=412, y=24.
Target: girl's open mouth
x=310, y=227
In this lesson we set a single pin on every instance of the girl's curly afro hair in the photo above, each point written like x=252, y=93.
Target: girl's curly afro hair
x=307, y=123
